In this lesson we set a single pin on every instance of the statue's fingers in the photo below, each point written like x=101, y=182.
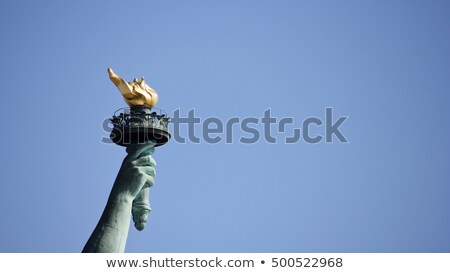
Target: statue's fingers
x=149, y=170
x=144, y=161
x=135, y=150
x=149, y=182
x=148, y=153
x=150, y=174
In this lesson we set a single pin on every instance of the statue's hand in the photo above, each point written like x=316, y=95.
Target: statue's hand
x=137, y=171
x=135, y=177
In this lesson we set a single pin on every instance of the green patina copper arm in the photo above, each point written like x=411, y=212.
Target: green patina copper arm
x=129, y=197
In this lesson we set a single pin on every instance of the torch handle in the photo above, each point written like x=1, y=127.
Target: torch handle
x=141, y=209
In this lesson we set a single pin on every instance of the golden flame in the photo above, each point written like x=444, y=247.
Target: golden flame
x=135, y=93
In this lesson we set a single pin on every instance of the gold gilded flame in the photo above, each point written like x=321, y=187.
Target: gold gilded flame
x=135, y=93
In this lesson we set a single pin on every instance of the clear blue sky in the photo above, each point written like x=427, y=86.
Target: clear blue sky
x=384, y=64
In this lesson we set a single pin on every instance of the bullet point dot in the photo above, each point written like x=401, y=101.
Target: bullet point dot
x=263, y=262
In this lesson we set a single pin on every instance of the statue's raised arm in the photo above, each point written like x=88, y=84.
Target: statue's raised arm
x=139, y=130
x=135, y=177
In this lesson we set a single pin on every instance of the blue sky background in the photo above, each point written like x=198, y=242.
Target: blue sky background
x=385, y=64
